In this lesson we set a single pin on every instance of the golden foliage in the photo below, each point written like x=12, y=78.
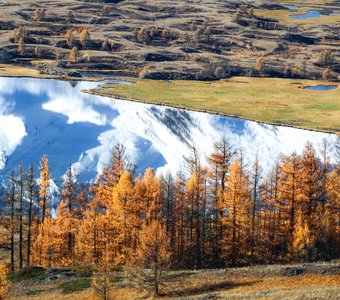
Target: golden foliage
x=70, y=37
x=259, y=66
x=85, y=37
x=21, y=46
x=72, y=58
x=4, y=283
x=152, y=257
x=39, y=14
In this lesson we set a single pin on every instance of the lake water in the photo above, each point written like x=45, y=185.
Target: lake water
x=53, y=117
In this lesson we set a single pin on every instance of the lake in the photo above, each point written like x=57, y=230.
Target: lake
x=53, y=117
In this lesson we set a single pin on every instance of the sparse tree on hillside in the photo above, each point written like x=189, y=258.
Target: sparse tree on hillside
x=143, y=36
x=21, y=46
x=105, y=44
x=37, y=51
x=260, y=64
x=73, y=56
x=219, y=72
x=57, y=54
x=20, y=33
x=70, y=37
x=39, y=14
x=207, y=34
x=326, y=74
x=85, y=37
x=326, y=57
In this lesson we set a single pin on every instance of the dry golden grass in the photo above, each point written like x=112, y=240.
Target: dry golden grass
x=281, y=287
x=56, y=295
x=259, y=282
x=17, y=71
x=269, y=100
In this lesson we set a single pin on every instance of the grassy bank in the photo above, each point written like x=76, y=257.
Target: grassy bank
x=7, y=70
x=299, y=281
x=268, y=100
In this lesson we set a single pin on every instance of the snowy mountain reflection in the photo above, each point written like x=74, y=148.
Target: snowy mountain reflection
x=54, y=117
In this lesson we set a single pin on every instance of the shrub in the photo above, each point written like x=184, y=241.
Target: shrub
x=72, y=58
x=326, y=74
x=70, y=38
x=259, y=66
x=219, y=72
x=20, y=33
x=37, y=51
x=39, y=14
x=21, y=46
x=326, y=57
x=85, y=37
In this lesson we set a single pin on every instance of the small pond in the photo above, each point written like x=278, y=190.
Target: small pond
x=320, y=87
x=308, y=15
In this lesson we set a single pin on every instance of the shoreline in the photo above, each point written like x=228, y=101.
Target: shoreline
x=98, y=93
x=178, y=106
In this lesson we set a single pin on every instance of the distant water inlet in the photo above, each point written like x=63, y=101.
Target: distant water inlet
x=320, y=87
x=52, y=117
x=310, y=14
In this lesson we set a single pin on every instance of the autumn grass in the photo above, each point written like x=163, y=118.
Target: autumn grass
x=316, y=281
x=285, y=16
x=268, y=100
x=17, y=71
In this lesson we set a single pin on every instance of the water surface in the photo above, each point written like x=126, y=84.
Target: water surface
x=320, y=87
x=308, y=15
x=53, y=117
